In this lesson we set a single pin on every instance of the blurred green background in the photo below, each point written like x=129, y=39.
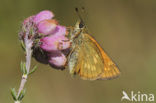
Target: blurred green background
x=126, y=29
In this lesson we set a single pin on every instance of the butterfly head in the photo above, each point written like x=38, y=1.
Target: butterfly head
x=79, y=26
x=77, y=29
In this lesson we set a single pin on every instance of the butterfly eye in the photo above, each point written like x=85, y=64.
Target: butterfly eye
x=81, y=25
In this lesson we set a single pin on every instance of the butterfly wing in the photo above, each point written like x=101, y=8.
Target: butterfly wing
x=110, y=69
x=89, y=61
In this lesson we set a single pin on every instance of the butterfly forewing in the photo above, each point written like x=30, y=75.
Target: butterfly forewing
x=110, y=68
x=89, y=61
x=86, y=59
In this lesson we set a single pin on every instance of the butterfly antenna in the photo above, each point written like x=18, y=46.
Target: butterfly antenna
x=82, y=24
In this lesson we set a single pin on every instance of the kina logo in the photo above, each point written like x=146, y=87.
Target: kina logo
x=137, y=97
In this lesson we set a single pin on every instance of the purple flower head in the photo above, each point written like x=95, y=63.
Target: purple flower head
x=47, y=27
x=54, y=42
x=50, y=44
x=43, y=15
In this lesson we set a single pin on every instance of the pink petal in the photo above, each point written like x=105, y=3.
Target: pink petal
x=60, y=30
x=46, y=14
x=47, y=26
x=54, y=42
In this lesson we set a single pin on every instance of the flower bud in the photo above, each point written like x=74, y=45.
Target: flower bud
x=57, y=60
x=43, y=15
x=47, y=26
x=28, y=20
x=54, y=42
x=28, y=29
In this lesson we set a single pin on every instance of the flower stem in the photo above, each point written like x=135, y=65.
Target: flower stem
x=28, y=45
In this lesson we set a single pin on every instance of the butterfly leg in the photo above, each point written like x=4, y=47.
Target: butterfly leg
x=71, y=52
x=69, y=31
x=63, y=45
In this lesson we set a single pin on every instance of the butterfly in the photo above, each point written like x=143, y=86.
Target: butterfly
x=87, y=58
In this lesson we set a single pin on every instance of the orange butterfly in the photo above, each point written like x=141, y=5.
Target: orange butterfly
x=87, y=58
